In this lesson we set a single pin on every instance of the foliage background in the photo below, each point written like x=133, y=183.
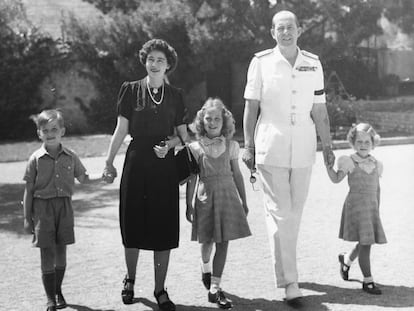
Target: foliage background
x=207, y=34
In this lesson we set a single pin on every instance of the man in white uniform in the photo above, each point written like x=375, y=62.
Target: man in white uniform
x=285, y=107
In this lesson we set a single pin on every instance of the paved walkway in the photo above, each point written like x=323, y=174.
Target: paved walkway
x=96, y=267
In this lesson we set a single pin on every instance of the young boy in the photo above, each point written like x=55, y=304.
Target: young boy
x=47, y=201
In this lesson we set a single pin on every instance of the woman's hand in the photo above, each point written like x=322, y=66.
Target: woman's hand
x=189, y=213
x=109, y=173
x=161, y=149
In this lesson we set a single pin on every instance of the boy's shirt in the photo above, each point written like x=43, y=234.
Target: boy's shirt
x=53, y=177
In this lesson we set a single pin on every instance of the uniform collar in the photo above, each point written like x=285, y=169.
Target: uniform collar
x=279, y=57
x=359, y=159
x=212, y=141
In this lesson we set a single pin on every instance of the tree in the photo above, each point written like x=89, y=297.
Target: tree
x=26, y=57
x=402, y=14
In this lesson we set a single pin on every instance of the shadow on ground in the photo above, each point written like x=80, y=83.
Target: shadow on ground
x=87, y=197
x=392, y=296
x=238, y=304
x=83, y=308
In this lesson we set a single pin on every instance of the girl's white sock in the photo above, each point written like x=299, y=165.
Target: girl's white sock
x=215, y=284
x=205, y=267
x=347, y=260
x=368, y=279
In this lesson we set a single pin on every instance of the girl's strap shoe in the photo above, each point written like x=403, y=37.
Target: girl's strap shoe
x=371, y=288
x=343, y=268
x=206, y=279
x=221, y=300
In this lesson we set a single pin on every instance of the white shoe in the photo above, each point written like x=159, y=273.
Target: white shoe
x=292, y=291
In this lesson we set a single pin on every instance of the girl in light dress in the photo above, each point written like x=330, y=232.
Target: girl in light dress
x=216, y=204
x=360, y=220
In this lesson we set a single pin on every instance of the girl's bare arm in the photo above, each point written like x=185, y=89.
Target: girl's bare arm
x=238, y=180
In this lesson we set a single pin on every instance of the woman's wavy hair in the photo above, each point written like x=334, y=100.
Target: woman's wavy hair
x=363, y=127
x=229, y=125
x=162, y=46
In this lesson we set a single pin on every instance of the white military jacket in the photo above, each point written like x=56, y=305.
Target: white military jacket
x=285, y=134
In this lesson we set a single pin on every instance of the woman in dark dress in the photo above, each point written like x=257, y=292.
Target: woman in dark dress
x=151, y=111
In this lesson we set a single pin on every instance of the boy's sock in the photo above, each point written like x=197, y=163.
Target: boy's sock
x=49, y=283
x=215, y=284
x=205, y=266
x=60, y=273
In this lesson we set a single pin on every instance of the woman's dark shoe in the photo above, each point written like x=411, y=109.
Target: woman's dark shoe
x=128, y=294
x=206, y=278
x=60, y=301
x=221, y=300
x=165, y=304
x=343, y=268
x=371, y=288
x=51, y=308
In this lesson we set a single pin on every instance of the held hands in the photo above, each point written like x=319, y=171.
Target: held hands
x=109, y=173
x=328, y=157
x=28, y=226
x=249, y=158
x=189, y=213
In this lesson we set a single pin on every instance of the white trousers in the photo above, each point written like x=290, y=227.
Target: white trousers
x=285, y=192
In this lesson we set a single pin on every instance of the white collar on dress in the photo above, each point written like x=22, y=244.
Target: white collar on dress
x=206, y=141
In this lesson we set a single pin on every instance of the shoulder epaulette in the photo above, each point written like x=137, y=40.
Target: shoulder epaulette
x=263, y=53
x=310, y=55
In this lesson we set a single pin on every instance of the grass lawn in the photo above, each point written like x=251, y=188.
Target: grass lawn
x=84, y=146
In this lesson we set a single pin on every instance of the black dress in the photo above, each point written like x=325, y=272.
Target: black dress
x=149, y=193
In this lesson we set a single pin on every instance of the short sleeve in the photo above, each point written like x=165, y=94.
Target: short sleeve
x=319, y=92
x=181, y=116
x=79, y=169
x=30, y=173
x=234, y=149
x=345, y=164
x=125, y=101
x=380, y=168
x=254, y=83
x=195, y=149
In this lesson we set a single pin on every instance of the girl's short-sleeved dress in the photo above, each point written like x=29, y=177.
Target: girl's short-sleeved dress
x=149, y=193
x=219, y=215
x=360, y=219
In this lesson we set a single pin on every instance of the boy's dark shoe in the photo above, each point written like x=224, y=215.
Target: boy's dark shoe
x=60, y=301
x=221, y=300
x=51, y=308
x=371, y=288
x=343, y=268
x=206, y=278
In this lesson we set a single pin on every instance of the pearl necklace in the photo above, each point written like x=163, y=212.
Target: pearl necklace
x=152, y=98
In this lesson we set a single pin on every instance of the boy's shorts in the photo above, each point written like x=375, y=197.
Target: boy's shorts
x=53, y=222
